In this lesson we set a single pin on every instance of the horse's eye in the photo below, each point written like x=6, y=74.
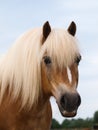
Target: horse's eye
x=47, y=60
x=77, y=60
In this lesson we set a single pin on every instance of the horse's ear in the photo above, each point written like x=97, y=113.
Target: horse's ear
x=72, y=28
x=46, y=30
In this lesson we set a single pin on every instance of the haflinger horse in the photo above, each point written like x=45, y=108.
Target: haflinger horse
x=42, y=63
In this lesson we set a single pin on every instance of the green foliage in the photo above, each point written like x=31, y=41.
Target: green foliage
x=96, y=117
x=55, y=124
x=65, y=124
x=76, y=123
x=73, y=123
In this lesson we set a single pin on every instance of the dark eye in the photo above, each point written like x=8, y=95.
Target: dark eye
x=77, y=60
x=47, y=60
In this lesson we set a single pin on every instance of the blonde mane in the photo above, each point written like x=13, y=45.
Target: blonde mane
x=20, y=68
x=61, y=47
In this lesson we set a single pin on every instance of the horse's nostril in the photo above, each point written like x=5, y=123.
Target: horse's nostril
x=79, y=100
x=63, y=101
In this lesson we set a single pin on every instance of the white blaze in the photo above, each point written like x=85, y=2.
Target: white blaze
x=69, y=74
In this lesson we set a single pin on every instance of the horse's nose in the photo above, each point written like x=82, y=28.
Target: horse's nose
x=70, y=102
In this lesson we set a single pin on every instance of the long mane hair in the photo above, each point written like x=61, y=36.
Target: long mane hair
x=20, y=68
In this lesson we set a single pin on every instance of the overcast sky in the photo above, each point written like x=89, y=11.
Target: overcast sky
x=18, y=16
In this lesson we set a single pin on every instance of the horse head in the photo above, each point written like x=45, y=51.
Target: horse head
x=59, y=68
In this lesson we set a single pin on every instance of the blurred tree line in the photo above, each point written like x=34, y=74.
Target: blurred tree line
x=76, y=123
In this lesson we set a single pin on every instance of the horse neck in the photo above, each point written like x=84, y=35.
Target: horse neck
x=41, y=114
x=38, y=117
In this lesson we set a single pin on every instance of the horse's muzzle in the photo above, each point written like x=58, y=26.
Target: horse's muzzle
x=69, y=103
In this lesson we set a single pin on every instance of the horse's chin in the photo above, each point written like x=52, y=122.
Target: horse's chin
x=68, y=114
